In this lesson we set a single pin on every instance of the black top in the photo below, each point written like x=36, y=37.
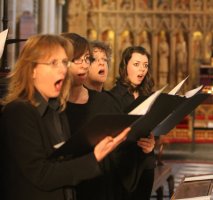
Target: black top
x=98, y=102
x=123, y=167
x=144, y=161
x=125, y=98
x=28, y=136
x=108, y=186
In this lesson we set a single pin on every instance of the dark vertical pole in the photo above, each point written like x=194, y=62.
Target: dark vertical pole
x=4, y=66
x=5, y=14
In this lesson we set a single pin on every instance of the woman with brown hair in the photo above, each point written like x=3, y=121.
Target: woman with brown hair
x=33, y=125
x=132, y=87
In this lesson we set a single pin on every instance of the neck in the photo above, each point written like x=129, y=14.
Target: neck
x=136, y=94
x=94, y=86
x=78, y=94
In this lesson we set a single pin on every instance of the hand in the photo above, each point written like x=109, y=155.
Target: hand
x=108, y=144
x=147, y=144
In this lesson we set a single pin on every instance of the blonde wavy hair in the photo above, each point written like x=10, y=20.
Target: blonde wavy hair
x=20, y=84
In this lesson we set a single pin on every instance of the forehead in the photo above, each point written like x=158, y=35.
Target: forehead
x=53, y=51
x=99, y=51
x=139, y=57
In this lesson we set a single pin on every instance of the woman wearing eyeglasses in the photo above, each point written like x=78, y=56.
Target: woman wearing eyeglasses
x=83, y=104
x=116, y=181
x=33, y=125
x=99, y=67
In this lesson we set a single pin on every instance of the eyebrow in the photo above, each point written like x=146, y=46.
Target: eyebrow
x=140, y=61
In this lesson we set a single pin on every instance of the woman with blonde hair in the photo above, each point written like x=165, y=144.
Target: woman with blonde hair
x=34, y=125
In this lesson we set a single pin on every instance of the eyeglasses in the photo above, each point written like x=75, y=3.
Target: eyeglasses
x=86, y=59
x=55, y=63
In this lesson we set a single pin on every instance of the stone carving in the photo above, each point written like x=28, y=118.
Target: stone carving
x=144, y=41
x=126, y=41
x=181, y=56
x=163, y=51
x=182, y=4
x=164, y=4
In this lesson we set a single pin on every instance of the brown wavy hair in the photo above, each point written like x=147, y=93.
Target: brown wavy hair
x=147, y=84
x=20, y=78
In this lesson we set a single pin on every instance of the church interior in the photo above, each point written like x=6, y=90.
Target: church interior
x=178, y=34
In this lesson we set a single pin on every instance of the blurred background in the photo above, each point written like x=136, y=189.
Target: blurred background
x=177, y=33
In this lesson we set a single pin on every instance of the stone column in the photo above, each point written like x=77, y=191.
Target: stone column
x=191, y=71
x=172, y=64
x=59, y=17
x=154, y=55
x=48, y=16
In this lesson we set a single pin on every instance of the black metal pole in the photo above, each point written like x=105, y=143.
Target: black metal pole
x=4, y=66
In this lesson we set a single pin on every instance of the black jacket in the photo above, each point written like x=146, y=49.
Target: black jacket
x=29, y=134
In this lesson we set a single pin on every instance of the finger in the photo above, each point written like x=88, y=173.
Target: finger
x=145, y=139
x=122, y=136
x=145, y=145
x=151, y=136
x=144, y=142
x=106, y=140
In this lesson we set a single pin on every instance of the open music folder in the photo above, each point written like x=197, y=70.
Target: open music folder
x=165, y=112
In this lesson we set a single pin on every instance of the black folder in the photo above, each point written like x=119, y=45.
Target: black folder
x=165, y=113
x=100, y=126
x=179, y=113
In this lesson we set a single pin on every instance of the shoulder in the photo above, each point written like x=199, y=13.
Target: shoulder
x=18, y=108
x=119, y=89
x=17, y=105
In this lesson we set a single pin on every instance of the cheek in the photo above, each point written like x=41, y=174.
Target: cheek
x=71, y=71
x=34, y=73
x=131, y=72
x=107, y=68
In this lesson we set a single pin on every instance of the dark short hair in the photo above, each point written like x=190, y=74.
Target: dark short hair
x=102, y=46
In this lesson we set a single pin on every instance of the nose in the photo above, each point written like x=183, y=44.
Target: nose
x=142, y=68
x=85, y=65
x=101, y=61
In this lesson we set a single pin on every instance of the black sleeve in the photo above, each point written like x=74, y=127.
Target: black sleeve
x=27, y=151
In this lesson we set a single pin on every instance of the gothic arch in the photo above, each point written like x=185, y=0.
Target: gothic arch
x=182, y=22
x=151, y=16
x=163, y=23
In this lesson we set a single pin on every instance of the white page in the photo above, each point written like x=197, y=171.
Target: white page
x=192, y=92
x=197, y=198
x=3, y=37
x=199, y=178
x=176, y=89
x=144, y=107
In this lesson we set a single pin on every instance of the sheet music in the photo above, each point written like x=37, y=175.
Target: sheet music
x=3, y=37
x=199, y=177
x=192, y=92
x=145, y=106
x=176, y=89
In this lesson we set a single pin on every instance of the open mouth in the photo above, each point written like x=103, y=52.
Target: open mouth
x=58, y=84
x=82, y=74
x=101, y=72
